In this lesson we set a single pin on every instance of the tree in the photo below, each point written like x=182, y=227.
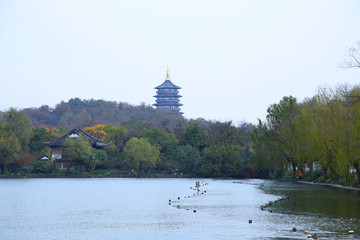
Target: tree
x=15, y=135
x=10, y=148
x=352, y=57
x=223, y=133
x=140, y=154
x=20, y=125
x=36, y=142
x=195, y=137
x=164, y=142
x=186, y=156
x=352, y=134
x=221, y=161
x=116, y=134
x=79, y=151
x=134, y=127
x=276, y=137
x=96, y=131
x=266, y=150
x=98, y=160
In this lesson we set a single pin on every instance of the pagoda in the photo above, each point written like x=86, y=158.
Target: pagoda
x=167, y=96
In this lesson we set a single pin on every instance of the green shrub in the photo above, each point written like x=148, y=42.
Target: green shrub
x=43, y=167
x=277, y=174
x=288, y=177
x=320, y=179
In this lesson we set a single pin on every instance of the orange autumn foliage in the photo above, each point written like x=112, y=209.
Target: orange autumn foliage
x=96, y=131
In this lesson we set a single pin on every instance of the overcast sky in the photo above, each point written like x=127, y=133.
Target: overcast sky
x=232, y=58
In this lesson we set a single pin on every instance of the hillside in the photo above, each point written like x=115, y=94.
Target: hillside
x=77, y=113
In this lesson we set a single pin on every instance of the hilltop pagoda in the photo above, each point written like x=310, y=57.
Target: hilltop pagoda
x=167, y=96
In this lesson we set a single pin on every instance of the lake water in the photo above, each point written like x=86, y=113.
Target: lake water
x=119, y=208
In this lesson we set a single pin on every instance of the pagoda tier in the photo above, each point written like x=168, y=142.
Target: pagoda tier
x=167, y=96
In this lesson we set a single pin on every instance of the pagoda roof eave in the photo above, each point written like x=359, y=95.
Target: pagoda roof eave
x=167, y=84
x=173, y=96
x=168, y=104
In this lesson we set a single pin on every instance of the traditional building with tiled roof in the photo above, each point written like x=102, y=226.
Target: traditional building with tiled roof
x=57, y=145
x=167, y=96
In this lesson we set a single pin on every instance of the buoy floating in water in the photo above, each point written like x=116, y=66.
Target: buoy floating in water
x=194, y=211
x=250, y=221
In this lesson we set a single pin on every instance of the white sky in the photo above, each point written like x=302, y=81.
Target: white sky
x=232, y=58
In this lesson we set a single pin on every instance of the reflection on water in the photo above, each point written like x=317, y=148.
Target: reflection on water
x=139, y=209
x=339, y=208
x=332, y=202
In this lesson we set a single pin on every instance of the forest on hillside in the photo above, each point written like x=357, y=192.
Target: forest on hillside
x=77, y=113
x=144, y=140
x=319, y=137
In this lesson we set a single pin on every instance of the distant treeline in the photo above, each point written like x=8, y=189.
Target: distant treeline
x=145, y=140
x=319, y=137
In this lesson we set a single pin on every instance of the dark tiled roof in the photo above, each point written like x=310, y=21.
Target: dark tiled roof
x=168, y=84
x=59, y=142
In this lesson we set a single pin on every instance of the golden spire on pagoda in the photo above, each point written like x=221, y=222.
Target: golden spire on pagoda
x=167, y=73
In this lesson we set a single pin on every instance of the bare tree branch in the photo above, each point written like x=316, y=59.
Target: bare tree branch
x=352, y=57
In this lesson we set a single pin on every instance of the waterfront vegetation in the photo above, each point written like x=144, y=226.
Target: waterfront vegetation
x=140, y=147
x=319, y=136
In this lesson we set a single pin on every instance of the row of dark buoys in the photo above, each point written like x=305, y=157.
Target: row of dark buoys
x=351, y=220
x=309, y=236
x=198, y=192
x=314, y=236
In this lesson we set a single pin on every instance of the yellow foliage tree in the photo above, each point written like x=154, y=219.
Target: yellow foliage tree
x=96, y=131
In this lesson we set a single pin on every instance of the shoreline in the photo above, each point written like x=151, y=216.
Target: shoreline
x=329, y=185
x=333, y=185
x=97, y=175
